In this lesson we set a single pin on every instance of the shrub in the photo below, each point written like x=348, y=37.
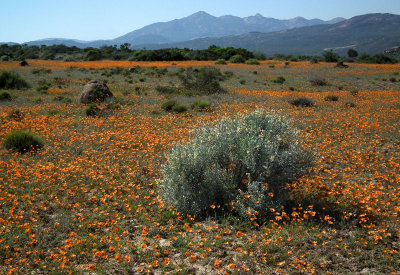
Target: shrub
x=205, y=80
x=352, y=53
x=220, y=62
x=331, y=98
x=235, y=160
x=167, y=106
x=22, y=142
x=12, y=80
x=253, y=62
x=4, y=95
x=242, y=81
x=167, y=90
x=92, y=110
x=330, y=56
x=200, y=104
x=302, y=102
x=319, y=82
x=279, y=80
x=237, y=59
x=179, y=108
x=392, y=79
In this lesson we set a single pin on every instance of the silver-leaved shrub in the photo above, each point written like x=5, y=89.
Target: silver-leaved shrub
x=242, y=163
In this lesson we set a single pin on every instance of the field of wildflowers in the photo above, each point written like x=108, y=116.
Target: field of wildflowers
x=88, y=202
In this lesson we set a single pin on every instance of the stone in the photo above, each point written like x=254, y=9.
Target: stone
x=95, y=91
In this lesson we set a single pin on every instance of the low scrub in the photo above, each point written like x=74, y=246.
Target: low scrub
x=205, y=80
x=244, y=162
x=302, y=102
x=279, y=80
x=319, y=82
x=220, y=62
x=173, y=106
x=92, y=110
x=22, y=142
x=4, y=95
x=168, y=90
x=237, y=59
x=253, y=62
x=12, y=80
x=331, y=98
x=200, y=104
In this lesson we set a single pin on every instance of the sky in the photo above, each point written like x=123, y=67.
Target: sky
x=27, y=20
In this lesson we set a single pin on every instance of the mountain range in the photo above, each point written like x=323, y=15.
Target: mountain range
x=197, y=25
x=371, y=33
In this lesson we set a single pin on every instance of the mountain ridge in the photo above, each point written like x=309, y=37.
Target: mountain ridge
x=197, y=25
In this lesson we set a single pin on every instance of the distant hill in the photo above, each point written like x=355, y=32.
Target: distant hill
x=202, y=24
x=371, y=33
x=197, y=25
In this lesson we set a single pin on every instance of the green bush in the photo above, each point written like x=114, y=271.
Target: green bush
x=92, y=110
x=4, y=95
x=204, y=80
x=179, y=108
x=200, y=104
x=238, y=160
x=22, y=142
x=279, y=80
x=237, y=59
x=220, y=62
x=331, y=98
x=330, y=56
x=167, y=106
x=253, y=62
x=302, y=102
x=12, y=80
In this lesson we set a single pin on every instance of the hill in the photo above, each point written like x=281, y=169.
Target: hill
x=371, y=33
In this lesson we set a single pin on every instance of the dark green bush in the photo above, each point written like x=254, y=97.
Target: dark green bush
x=12, y=80
x=92, y=110
x=22, y=142
x=352, y=53
x=302, y=102
x=167, y=106
x=279, y=80
x=4, y=95
x=331, y=98
x=179, y=108
x=330, y=56
x=204, y=80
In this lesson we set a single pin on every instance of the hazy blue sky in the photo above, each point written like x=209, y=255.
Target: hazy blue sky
x=26, y=20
